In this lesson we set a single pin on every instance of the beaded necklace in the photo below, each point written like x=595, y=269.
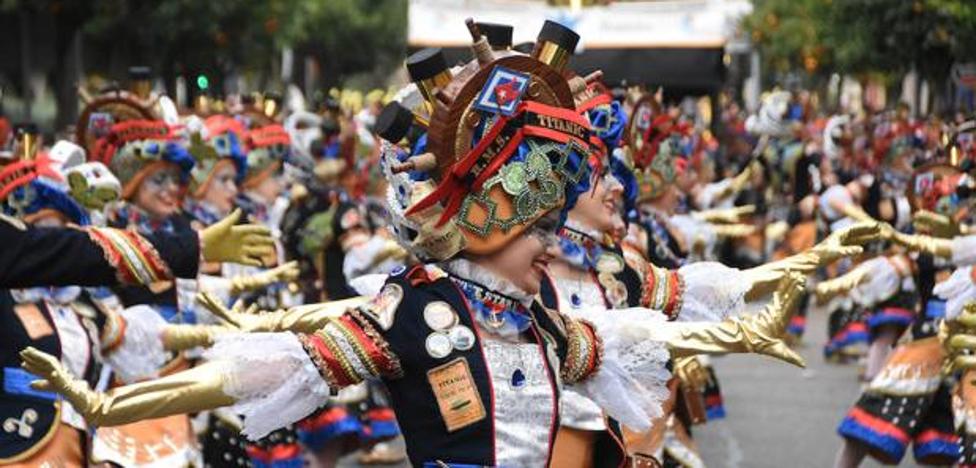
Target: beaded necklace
x=502, y=314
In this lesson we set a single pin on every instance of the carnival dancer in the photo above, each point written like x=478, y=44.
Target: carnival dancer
x=909, y=400
x=469, y=357
x=154, y=167
x=220, y=164
x=76, y=324
x=591, y=273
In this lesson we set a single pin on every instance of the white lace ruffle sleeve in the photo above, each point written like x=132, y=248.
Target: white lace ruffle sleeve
x=958, y=290
x=140, y=354
x=272, y=378
x=631, y=383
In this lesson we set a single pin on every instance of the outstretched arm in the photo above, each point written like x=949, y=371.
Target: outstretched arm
x=95, y=256
x=759, y=333
x=843, y=243
x=619, y=360
x=300, y=319
x=272, y=379
x=197, y=389
x=92, y=256
x=709, y=291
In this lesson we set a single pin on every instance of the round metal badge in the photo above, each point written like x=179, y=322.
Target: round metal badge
x=438, y=345
x=440, y=316
x=609, y=263
x=462, y=338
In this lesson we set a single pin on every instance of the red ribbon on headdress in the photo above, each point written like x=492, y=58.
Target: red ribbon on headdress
x=20, y=173
x=598, y=100
x=466, y=177
x=268, y=135
x=220, y=124
x=129, y=131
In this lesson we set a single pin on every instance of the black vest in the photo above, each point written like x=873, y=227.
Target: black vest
x=35, y=415
x=412, y=396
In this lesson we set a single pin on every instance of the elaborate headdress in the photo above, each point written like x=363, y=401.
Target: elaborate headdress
x=221, y=139
x=132, y=149
x=941, y=188
x=119, y=130
x=104, y=111
x=268, y=148
x=505, y=146
x=655, y=147
x=36, y=184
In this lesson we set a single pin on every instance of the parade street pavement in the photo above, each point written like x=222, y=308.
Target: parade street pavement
x=780, y=416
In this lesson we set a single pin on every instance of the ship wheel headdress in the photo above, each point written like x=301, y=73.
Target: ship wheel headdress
x=655, y=154
x=504, y=145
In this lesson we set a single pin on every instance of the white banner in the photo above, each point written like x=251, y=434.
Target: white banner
x=694, y=23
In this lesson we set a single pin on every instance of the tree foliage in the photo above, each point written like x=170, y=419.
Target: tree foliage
x=189, y=36
x=863, y=36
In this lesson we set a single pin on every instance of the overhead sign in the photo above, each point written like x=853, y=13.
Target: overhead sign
x=695, y=23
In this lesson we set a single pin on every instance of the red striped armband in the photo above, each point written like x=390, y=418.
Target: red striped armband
x=135, y=260
x=348, y=350
x=663, y=290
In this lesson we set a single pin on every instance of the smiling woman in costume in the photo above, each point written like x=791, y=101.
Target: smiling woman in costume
x=473, y=362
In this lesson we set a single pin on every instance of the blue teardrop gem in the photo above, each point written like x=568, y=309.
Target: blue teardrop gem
x=575, y=299
x=518, y=378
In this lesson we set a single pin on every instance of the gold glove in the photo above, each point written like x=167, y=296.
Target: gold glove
x=856, y=213
x=691, y=372
x=280, y=274
x=777, y=231
x=922, y=243
x=739, y=182
x=759, y=333
x=302, y=319
x=830, y=289
x=733, y=230
x=742, y=179
x=226, y=241
x=183, y=337
x=938, y=225
x=725, y=215
x=189, y=391
x=958, y=338
x=845, y=242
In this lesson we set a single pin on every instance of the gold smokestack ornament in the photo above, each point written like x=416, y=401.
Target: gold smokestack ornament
x=499, y=36
x=429, y=71
x=555, y=44
x=27, y=138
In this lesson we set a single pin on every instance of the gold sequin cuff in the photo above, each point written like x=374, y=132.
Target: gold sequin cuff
x=584, y=354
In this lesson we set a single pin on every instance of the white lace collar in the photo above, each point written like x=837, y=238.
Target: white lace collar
x=466, y=269
x=585, y=230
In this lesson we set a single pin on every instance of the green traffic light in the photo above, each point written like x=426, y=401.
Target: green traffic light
x=203, y=82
